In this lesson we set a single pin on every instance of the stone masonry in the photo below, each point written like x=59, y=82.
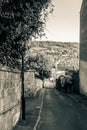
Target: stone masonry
x=10, y=94
x=83, y=48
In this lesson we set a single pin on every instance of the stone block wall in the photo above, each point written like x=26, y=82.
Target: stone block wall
x=29, y=80
x=32, y=84
x=83, y=48
x=10, y=95
x=83, y=77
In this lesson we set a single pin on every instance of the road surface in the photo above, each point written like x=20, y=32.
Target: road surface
x=60, y=112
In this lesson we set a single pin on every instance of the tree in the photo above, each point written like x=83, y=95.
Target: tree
x=20, y=20
x=40, y=64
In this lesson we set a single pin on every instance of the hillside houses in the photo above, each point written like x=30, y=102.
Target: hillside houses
x=65, y=54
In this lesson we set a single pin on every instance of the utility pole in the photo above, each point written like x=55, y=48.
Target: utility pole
x=42, y=78
x=22, y=89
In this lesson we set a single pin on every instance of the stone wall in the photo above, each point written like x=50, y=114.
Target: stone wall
x=29, y=82
x=83, y=77
x=32, y=84
x=83, y=48
x=10, y=94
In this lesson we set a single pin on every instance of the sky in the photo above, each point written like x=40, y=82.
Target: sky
x=64, y=23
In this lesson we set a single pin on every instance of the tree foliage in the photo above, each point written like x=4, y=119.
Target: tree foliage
x=40, y=64
x=20, y=20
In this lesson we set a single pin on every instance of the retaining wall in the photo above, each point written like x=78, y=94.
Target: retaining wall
x=10, y=94
x=32, y=84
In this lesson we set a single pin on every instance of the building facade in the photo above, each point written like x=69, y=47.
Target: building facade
x=83, y=48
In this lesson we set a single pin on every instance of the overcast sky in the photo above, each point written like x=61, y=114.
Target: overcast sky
x=63, y=24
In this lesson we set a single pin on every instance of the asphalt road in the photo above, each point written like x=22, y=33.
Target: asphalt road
x=60, y=112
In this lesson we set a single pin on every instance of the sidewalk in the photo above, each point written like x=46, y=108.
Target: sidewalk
x=79, y=98
x=33, y=108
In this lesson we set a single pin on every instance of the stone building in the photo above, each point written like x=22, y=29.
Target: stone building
x=83, y=48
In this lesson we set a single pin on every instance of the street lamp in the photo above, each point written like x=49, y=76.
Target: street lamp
x=42, y=78
x=22, y=89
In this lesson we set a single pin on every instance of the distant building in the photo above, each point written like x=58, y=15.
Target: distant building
x=83, y=48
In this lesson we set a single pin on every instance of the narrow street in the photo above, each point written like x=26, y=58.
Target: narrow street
x=60, y=112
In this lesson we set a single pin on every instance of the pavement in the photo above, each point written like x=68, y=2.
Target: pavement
x=33, y=111
x=34, y=108
x=77, y=97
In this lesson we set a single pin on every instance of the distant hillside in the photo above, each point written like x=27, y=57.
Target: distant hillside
x=51, y=43
x=59, y=53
